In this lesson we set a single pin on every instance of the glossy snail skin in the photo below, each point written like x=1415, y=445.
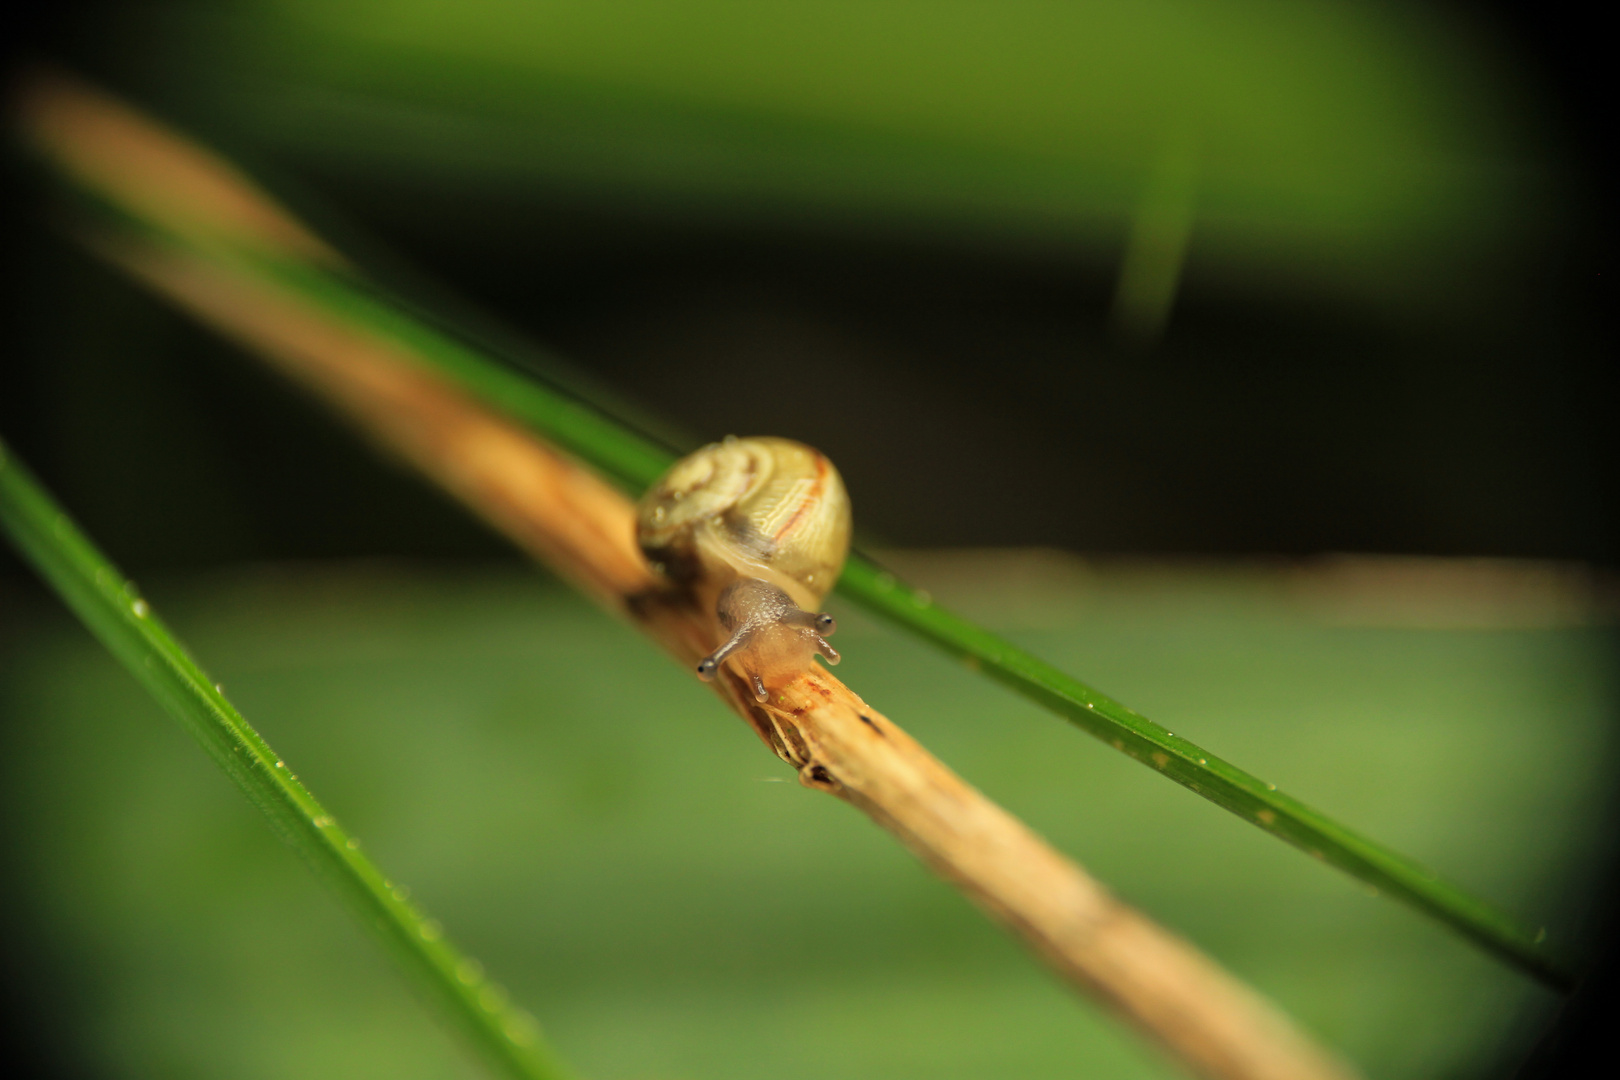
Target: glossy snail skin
x=771, y=636
x=756, y=530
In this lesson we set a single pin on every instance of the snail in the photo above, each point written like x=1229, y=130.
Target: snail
x=756, y=530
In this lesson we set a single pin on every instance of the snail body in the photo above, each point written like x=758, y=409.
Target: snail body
x=771, y=636
x=757, y=531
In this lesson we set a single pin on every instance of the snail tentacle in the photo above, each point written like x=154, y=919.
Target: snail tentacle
x=709, y=665
x=818, y=621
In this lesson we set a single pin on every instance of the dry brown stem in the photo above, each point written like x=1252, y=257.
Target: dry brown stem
x=566, y=516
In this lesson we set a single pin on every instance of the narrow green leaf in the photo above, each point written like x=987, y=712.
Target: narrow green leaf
x=1218, y=781
x=636, y=461
x=110, y=606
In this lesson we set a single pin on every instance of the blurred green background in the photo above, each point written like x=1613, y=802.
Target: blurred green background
x=1225, y=279
x=655, y=886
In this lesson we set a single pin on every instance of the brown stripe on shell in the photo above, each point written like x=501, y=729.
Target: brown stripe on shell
x=810, y=499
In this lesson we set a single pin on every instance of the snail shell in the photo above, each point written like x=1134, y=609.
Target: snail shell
x=763, y=507
x=757, y=529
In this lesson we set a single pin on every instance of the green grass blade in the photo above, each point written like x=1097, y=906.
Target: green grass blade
x=636, y=462
x=1186, y=763
x=114, y=611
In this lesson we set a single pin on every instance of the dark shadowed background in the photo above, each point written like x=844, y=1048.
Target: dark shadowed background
x=1400, y=354
x=1240, y=279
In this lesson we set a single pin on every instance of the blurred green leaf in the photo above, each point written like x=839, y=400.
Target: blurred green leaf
x=1357, y=147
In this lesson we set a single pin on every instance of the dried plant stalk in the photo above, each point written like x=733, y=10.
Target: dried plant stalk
x=576, y=523
x=569, y=518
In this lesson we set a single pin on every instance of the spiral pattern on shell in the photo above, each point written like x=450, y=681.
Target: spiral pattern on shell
x=761, y=507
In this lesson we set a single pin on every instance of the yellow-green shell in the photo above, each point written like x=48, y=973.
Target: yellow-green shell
x=762, y=507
